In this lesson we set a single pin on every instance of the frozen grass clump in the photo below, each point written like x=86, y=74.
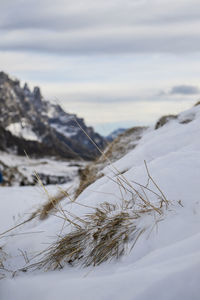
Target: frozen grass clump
x=3, y=257
x=109, y=231
x=102, y=236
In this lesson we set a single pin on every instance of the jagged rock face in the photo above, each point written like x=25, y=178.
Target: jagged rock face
x=30, y=122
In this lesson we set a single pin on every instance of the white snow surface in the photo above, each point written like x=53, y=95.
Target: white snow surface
x=21, y=131
x=48, y=166
x=165, y=261
x=66, y=131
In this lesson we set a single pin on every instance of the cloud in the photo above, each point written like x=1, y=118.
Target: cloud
x=85, y=27
x=65, y=14
x=185, y=90
x=131, y=114
x=101, y=41
x=92, y=54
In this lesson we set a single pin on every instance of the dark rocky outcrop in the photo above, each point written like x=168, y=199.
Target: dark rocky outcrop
x=198, y=103
x=164, y=120
x=29, y=123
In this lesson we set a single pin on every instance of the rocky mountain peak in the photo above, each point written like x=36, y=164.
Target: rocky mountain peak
x=3, y=77
x=37, y=93
x=26, y=89
x=47, y=128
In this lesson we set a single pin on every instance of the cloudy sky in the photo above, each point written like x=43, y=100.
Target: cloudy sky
x=117, y=63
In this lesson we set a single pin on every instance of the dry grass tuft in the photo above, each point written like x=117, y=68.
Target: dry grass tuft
x=88, y=176
x=198, y=103
x=115, y=150
x=109, y=231
x=102, y=236
x=3, y=256
x=51, y=205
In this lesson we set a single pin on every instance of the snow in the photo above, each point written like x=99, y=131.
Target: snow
x=150, y=278
x=19, y=130
x=165, y=261
x=29, y=166
x=15, y=200
x=65, y=130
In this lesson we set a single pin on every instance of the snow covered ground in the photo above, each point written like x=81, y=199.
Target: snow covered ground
x=47, y=166
x=165, y=261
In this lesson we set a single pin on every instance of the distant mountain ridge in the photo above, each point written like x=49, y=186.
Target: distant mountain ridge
x=30, y=123
x=114, y=134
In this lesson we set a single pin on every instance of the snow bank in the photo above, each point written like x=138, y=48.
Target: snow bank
x=165, y=262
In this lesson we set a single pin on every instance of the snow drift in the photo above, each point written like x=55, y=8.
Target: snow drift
x=164, y=262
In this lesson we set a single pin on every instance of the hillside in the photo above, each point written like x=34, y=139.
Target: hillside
x=120, y=146
x=30, y=123
x=131, y=234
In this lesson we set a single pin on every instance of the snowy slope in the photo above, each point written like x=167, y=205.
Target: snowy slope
x=17, y=169
x=165, y=261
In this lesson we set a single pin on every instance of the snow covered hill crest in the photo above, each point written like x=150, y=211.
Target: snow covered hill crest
x=147, y=200
x=165, y=260
x=28, y=122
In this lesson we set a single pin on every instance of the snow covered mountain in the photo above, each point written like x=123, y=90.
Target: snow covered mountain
x=28, y=122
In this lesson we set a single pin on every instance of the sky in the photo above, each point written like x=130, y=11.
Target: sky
x=117, y=63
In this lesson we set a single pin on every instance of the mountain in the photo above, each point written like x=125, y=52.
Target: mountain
x=114, y=134
x=30, y=123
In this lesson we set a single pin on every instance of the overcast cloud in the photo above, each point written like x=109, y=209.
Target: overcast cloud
x=93, y=53
x=185, y=90
x=83, y=27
